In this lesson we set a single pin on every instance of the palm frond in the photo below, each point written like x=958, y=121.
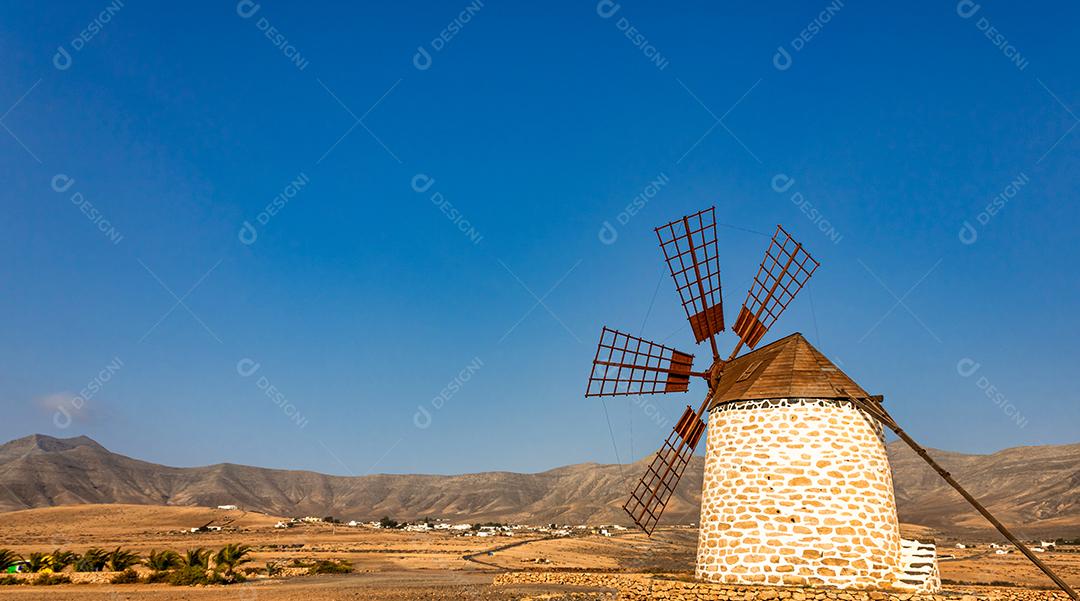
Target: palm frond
x=7, y=559
x=122, y=559
x=36, y=562
x=93, y=560
x=231, y=556
x=196, y=558
x=61, y=559
x=161, y=561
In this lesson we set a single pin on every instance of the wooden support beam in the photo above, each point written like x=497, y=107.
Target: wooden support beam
x=873, y=406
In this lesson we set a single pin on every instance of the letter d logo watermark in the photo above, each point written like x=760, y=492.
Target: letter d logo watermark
x=247, y=234
x=61, y=183
x=422, y=182
x=607, y=8
x=422, y=418
x=967, y=9
x=422, y=59
x=967, y=367
x=247, y=9
x=61, y=60
x=781, y=60
x=62, y=418
x=782, y=183
x=246, y=367
x=968, y=234
x=607, y=234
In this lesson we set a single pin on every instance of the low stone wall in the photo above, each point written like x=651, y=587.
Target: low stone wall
x=644, y=587
x=584, y=579
x=76, y=577
x=1018, y=594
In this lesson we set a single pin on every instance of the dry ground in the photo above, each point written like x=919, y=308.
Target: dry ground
x=392, y=565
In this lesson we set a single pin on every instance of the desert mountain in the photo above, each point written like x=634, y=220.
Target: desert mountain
x=1034, y=488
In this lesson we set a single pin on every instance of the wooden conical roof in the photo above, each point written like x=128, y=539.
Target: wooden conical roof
x=788, y=368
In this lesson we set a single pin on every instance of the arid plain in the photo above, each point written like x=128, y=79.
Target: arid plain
x=394, y=564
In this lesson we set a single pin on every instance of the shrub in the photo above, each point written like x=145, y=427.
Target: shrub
x=330, y=566
x=46, y=579
x=230, y=578
x=5, y=580
x=274, y=568
x=128, y=576
x=158, y=577
x=189, y=576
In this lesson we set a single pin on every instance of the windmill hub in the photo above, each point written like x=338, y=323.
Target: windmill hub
x=714, y=374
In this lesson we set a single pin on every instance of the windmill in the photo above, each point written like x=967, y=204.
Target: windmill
x=628, y=365
x=797, y=490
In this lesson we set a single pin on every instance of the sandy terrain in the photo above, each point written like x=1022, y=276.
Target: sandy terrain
x=982, y=565
x=396, y=564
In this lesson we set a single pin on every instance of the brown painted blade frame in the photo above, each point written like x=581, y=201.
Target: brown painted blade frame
x=653, y=491
x=690, y=250
x=782, y=274
x=628, y=365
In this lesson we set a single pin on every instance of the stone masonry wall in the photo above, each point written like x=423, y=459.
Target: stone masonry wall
x=797, y=492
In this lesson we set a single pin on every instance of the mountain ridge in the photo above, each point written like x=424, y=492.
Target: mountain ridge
x=1036, y=488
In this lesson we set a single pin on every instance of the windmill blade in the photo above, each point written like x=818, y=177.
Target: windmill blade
x=626, y=365
x=783, y=272
x=690, y=249
x=650, y=497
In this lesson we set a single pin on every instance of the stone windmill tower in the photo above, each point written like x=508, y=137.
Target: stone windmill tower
x=797, y=487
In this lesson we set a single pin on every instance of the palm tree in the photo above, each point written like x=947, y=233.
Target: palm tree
x=8, y=559
x=162, y=561
x=93, y=560
x=230, y=557
x=36, y=562
x=122, y=559
x=196, y=558
x=62, y=559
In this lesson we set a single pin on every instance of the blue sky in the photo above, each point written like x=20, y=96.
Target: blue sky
x=141, y=138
